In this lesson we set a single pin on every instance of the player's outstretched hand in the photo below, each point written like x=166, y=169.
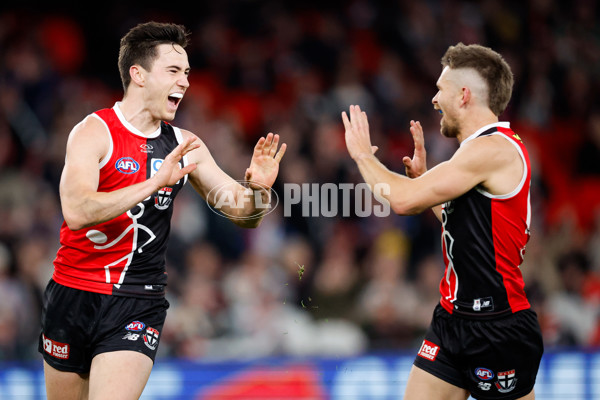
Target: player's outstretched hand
x=170, y=170
x=358, y=140
x=264, y=165
x=417, y=165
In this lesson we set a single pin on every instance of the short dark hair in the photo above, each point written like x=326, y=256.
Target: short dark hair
x=494, y=70
x=138, y=46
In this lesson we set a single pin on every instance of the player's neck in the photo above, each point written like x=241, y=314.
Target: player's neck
x=139, y=115
x=474, y=121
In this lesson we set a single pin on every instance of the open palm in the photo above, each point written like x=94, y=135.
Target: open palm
x=170, y=170
x=264, y=165
x=417, y=165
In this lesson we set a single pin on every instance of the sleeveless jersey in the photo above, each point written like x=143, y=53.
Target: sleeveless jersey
x=483, y=243
x=126, y=255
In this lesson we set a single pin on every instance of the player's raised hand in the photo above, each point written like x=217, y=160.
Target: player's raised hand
x=417, y=165
x=170, y=170
x=358, y=140
x=264, y=165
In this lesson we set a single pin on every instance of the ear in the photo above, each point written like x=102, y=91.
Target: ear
x=465, y=96
x=136, y=73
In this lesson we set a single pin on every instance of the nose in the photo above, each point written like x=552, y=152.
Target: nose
x=183, y=81
x=434, y=100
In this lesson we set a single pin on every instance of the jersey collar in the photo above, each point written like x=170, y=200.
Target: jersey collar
x=132, y=128
x=479, y=131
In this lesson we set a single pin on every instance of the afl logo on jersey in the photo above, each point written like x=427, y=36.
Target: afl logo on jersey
x=135, y=326
x=127, y=165
x=484, y=374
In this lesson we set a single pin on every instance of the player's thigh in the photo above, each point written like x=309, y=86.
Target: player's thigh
x=422, y=385
x=61, y=385
x=119, y=375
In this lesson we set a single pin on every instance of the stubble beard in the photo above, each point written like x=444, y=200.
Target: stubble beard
x=450, y=128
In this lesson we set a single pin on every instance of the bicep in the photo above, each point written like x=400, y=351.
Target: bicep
x=208, y=176
x=446, y=181
x=450, y=180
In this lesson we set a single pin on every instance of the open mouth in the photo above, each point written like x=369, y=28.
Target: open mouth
x=175, y=98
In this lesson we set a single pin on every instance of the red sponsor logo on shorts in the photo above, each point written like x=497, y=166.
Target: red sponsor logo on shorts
x=55, y=349
x=429, y=350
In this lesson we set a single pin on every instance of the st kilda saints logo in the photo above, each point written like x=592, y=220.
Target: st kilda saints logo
x=162, y=199
x=151, y=338
x=506, y=381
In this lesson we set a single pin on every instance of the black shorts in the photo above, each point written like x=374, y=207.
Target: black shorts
x=493, y=359
x=77, y=325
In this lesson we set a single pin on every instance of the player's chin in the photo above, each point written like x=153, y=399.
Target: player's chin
x=170, y=110
x=449, y=131
x=169, y=116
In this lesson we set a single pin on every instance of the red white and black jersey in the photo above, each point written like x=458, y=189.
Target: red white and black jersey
x=126, y=255
x=483, y=243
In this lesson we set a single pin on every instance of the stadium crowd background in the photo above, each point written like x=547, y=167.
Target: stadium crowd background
x=369, y=284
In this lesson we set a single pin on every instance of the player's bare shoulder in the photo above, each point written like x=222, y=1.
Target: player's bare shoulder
x=502, y=161
x=186, y=134
x=90, y=137
x=492, y=150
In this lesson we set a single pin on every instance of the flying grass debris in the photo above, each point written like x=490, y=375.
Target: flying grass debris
x=300, y=271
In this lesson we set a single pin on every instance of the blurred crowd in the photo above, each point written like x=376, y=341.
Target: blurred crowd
x=308, y=285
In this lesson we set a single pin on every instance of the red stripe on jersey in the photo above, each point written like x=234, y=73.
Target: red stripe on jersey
x=508, y=237
x=511, y=234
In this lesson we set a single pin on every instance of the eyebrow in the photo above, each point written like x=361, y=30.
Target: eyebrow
x=178, y=68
